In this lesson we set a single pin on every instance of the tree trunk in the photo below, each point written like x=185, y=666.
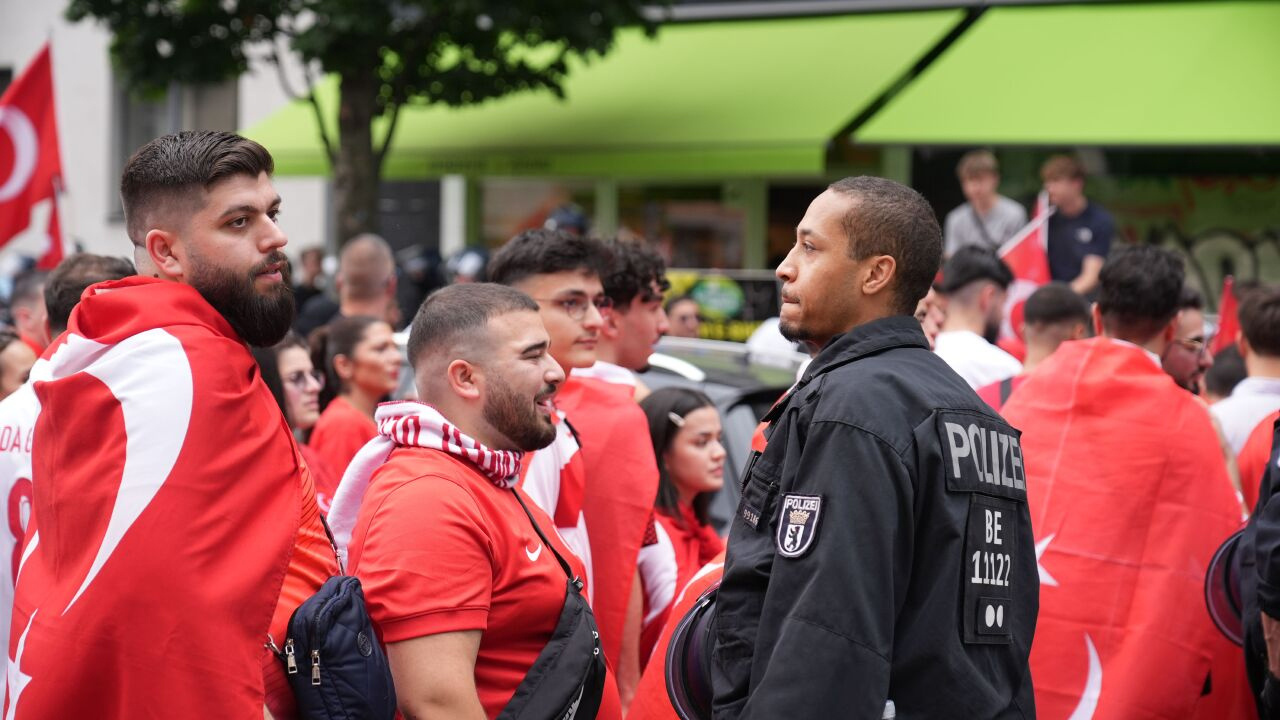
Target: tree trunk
x=355, y=169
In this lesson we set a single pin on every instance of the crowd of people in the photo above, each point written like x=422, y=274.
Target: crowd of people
x=962, y=508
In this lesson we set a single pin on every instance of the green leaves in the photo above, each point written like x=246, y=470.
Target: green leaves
x=420, y=51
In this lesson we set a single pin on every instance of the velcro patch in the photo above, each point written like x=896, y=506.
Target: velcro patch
x=987, y=569
x=981, y=454
x=798, y=524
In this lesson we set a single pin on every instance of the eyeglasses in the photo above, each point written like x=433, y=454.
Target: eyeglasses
x=1195, y=346
x=299, y=379
x=576, y=306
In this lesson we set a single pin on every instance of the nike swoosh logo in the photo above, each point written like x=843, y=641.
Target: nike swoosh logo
x=533, y=556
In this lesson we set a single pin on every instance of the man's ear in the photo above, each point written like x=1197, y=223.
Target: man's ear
x=878, y=274
x=1097, y=320
x=609, y=325
x=164, y=251
x=1077, y=331
x=465, y=380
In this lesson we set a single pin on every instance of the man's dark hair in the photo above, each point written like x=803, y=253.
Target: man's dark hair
x=543, y=252
x=173, y=171
x=1055, y=303
x=889, y=218
x=1226, y=372
x=1139, y=291
x=1190, y=299
x=67, y=283
x=971, y=264
x=27, y=288
x=1260, y=319
x=636, y=269
x=458, y=311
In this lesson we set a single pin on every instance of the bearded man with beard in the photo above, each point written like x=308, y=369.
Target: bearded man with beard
x=174, y=527
x=974, y=281
x=453, y=555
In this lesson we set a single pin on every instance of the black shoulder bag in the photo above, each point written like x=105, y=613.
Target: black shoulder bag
x=346, y=674
x=567, y=680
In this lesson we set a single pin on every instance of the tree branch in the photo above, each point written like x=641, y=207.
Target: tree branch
x=284, y=77
x=315, y=106
x=381, y=152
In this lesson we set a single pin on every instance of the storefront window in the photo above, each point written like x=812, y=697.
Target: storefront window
x=690, y=225
x=511, y=206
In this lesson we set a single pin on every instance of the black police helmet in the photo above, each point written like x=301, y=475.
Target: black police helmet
x=1222, y=589
x=689, y=659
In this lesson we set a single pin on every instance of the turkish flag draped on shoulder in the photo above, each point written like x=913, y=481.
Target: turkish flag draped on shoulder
x=30, y=164
x=1027, y=255
x=1129, y=499
x=167, y=491
x=621, y=486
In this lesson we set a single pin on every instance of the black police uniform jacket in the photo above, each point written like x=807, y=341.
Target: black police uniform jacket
x=1259, y=559
x=882, y=549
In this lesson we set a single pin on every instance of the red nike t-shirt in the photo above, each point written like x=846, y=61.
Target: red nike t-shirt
x=439, y=548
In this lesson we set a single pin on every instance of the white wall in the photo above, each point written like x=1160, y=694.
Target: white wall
x=307, y=216
x=82, y=89
x=82, y=86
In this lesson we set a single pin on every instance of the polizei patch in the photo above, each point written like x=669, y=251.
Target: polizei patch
x=798, y=524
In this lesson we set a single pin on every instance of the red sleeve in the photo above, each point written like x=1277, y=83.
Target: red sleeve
x=339, y=435
x=426, y=562
x=1252, y=461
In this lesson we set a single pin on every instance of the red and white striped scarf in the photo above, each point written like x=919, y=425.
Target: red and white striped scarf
x=411, y=424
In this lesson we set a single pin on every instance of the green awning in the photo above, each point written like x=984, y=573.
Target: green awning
x=1163, y=74
x=734, y=98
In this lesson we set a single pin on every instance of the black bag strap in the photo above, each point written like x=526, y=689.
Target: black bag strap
x=982, y=228
x=568, y=571
x=1006, y=389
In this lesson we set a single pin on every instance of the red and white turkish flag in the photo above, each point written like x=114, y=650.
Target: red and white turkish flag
x=156, y=551
x=30, y=164
x=1129, y=499
x=1027, y=255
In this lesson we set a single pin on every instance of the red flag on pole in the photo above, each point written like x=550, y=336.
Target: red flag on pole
x=1228, y=321
x=30, y=165
x=1027, y=255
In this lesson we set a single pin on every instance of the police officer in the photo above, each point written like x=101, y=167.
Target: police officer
x=882, y=549
x=1259, y=558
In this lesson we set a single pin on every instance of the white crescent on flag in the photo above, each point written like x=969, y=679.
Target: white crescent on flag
x=22, y=134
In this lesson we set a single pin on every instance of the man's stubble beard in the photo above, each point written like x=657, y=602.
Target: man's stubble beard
x=260, y=319
x=516, y=418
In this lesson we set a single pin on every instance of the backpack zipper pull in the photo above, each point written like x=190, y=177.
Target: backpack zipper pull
x=315, y=667
x=290, y=661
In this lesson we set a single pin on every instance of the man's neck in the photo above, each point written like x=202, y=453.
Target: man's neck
x=371, y=308
x=606, y=352
x=1073, y=207
x=962, y=320
x=1035, y=356
x=984, y=205
x=1256, y=365
x=1154, y=346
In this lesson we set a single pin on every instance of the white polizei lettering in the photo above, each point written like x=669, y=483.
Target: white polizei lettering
x=1004, y=466
x=1015, y=452
x=994, y=465
x=954, y=433
x=975, y=440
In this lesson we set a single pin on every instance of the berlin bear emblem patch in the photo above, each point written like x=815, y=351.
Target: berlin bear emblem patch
x=798, y=524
